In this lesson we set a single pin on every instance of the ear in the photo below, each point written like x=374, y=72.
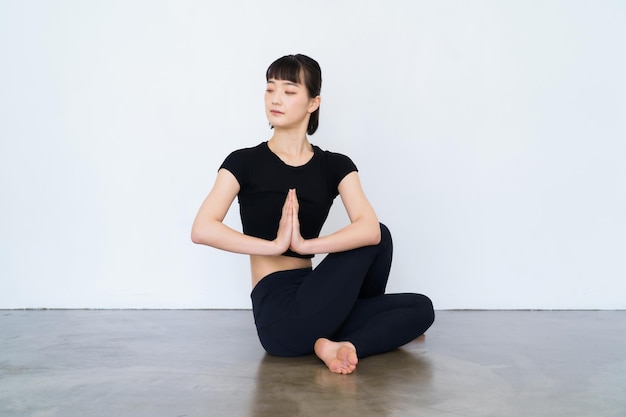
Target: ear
x=314, y=104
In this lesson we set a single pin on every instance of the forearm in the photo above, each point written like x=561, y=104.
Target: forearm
x=220, y=236
x=363, y=232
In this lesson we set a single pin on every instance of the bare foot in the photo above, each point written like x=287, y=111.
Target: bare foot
x=340, y=357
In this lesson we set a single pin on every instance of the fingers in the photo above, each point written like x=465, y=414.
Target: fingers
x=295, y=207
x=296, y=204
x=287, y=205
x=291, y=205
x=285, y=225
x=296, y=237
x=289, y=225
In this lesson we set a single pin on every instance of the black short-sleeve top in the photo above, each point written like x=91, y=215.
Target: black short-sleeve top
x=264, y=181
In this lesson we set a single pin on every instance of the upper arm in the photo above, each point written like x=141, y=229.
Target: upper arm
x=220, y=198
x=354, y=200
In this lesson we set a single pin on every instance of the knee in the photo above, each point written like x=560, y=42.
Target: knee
x=385, y=235
x=428, y=309
x=425, y=311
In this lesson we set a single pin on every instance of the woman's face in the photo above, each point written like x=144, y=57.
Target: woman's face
x=287, y=104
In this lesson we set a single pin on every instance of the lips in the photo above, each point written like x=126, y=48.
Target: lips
x=276, y=112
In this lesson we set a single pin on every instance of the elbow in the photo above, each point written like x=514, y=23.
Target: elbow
x=371, y=231
x=204, y=233
x=376, y=234
x=197, y=235
x=376, y=238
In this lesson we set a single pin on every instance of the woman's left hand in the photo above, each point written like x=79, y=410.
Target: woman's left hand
x=298, y=243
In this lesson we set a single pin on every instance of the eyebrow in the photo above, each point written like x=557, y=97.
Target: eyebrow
x=285, y=82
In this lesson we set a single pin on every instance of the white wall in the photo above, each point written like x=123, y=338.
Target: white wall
x=490, y=136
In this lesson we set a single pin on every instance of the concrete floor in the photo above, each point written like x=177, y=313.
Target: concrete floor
x=209, y=363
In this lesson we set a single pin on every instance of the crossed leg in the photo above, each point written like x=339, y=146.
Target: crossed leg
x=340, y=310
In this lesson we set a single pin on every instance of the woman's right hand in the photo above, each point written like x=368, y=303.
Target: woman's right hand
x=285, y=226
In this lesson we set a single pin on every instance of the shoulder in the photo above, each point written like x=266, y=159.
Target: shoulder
x=337, y=166
x=336, y=160
x=247, y=152
x=243, y=155
x=240, y=161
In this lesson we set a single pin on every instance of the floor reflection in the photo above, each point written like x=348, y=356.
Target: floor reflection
x=304, y=386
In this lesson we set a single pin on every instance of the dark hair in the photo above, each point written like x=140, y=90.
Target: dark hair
x=293, y=68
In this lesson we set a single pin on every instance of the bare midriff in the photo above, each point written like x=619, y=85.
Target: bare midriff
x=261, y=266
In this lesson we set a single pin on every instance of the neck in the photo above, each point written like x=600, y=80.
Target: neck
x=289, y=143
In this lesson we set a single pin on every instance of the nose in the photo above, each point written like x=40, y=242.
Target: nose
x=275, y=97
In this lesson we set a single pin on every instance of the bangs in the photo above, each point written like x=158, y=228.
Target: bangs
x=287, y=68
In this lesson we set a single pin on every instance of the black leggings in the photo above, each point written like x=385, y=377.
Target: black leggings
x=342, y=299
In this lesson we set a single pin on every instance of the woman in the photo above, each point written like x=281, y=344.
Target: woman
x=285, y=188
